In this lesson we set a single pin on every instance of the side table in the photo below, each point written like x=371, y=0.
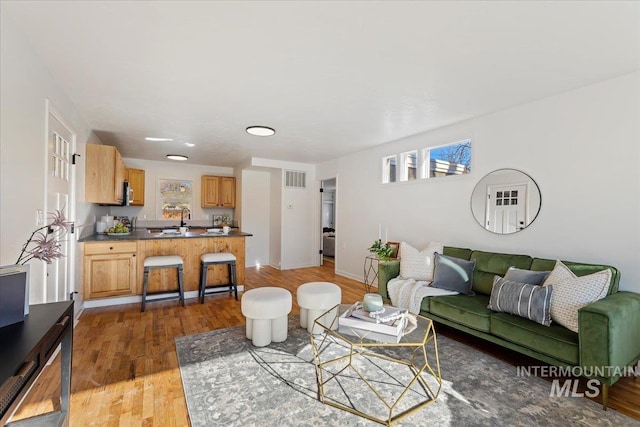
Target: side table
x=25, y=348
x=370, y=271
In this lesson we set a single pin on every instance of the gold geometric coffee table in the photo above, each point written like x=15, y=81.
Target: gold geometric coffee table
x=356, y=353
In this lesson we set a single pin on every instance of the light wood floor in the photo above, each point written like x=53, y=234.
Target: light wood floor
x=125, y=369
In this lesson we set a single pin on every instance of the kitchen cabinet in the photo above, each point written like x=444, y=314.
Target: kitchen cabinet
x=218, y=192
x=105, y=175
x=110, y=269
x=136, y=186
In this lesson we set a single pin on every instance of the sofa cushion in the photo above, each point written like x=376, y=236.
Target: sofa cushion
x=467, y=310
x=453, y=274
x=462, y=253
x=579, y=269
x=571, y=293
x=521, y=299
x=418, y=265
x=488, y=264
x=555, y=340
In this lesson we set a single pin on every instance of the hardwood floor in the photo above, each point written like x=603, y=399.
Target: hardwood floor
x=125, y=368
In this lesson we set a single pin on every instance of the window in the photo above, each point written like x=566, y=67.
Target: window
x=389, y=169
x=446, y=160
x=409, y=162
x=175, y=196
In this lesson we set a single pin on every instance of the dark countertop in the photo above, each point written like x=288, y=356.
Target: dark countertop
x=143, y=234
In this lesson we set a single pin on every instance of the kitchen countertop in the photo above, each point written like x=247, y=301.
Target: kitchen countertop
x=143, y=234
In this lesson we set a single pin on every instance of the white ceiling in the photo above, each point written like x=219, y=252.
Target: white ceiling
x=331, y=77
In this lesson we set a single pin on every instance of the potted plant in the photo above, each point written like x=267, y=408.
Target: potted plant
x=382, y=250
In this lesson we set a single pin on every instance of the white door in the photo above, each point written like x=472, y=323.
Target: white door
x=60, y=147
x=506, y=208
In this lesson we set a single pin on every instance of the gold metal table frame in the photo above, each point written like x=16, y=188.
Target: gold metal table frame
x=358, y=345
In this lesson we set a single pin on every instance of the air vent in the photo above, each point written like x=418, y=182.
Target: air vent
x=295, y=179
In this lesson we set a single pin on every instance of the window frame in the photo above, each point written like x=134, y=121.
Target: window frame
x=387, y=164
x=161, y=198
x=425, y=169
x=404, y=170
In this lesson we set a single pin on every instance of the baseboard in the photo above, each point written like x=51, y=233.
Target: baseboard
x=353, y=276
x=137, y=299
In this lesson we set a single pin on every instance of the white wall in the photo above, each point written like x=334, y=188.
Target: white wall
x=155, y=171
x=275, y=217
x=581, y=147
x=25, y=84
x=255, y=217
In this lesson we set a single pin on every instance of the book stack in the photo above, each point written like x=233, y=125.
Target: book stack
x=385, y=326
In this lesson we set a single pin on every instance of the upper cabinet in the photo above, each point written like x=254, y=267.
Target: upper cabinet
x=136, y=187
x=105, y=175
x=218, y=191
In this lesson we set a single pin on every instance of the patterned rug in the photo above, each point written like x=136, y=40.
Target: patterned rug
x=228, y=382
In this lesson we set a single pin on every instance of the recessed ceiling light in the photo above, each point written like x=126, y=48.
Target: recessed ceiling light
x=176, y=157
x=189, y=144
x=158, y=139
x=260, y=131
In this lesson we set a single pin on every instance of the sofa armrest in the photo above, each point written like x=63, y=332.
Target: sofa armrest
x=609, y=331
x=387, y=270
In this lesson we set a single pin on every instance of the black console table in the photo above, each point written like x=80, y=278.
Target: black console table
x=25, y=348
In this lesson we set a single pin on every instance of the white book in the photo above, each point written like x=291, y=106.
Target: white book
x=394, y=328
x=370, y=335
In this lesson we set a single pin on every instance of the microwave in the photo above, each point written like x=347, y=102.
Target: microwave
x=126, y=194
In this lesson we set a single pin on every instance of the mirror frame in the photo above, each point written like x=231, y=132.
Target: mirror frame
x=480, y=195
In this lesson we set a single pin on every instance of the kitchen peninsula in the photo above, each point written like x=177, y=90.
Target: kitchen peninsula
x=113, y=264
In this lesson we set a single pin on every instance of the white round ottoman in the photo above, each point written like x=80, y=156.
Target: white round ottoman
x=266, y=310
x=314, y=299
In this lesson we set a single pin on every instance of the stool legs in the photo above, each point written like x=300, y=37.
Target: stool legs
x=312, y=315
x=181, y=285
x=249, y=329
x=144, y=287
x=203, y=281
x=303, y=317
x=145, y=283
x=279, y=329
x=261, y=332
x=233, y=280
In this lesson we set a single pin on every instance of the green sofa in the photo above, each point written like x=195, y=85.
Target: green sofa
x=609, y=329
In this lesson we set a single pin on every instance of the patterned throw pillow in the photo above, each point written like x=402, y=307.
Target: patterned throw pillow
x=571, y=293
x=418, y=265
x=532, y=302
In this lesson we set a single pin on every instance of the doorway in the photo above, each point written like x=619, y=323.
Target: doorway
x=506, y=208
x=60, y=178
x=328, y=199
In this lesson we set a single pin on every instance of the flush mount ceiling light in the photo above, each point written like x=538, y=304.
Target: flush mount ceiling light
x=260, y=131
x=158, y=139
x=189, y=144
x=176, y=157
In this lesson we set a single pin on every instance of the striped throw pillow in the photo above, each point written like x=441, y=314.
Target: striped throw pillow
x=532, y=302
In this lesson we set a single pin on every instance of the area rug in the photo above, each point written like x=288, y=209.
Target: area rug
x=228, y=382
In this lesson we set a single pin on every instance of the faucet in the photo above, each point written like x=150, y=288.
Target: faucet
x=182, y=223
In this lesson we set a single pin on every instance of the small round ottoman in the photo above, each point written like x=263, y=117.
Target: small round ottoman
x=314, y=299
x=266, y=310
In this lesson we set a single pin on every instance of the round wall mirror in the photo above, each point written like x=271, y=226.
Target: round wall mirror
x=505, y=201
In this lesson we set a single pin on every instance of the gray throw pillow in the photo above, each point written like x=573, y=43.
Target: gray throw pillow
x=532, y=302
x=526, y=276
x=453, y=274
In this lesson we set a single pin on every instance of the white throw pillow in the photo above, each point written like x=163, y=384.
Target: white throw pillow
x=571, y=293
x=418, y=265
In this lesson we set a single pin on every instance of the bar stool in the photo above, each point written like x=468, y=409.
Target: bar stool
x=164, y=261
x=217, y=258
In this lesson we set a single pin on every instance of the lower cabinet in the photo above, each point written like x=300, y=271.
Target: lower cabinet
x=110, y=269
